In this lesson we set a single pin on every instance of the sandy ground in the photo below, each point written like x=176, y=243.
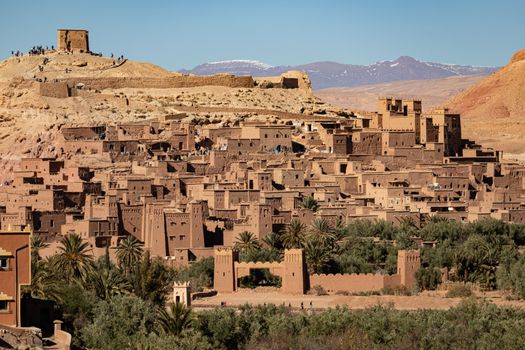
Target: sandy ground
x=434, y=300
x=433, y=92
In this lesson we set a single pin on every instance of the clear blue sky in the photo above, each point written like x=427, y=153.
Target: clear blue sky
x=181, y=34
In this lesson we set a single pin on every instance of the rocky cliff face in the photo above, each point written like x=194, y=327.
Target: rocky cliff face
x=493, y=110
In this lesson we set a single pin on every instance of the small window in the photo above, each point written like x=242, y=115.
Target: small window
x=4, y=305
x=4, y=263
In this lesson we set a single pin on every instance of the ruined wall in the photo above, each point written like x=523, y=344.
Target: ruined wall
x=55, y=89
x=178, y=81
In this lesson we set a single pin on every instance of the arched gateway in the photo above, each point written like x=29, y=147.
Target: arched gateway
x=292, y=270
x=297, y=280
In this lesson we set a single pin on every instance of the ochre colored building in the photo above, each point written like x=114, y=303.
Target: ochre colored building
x=15, y=271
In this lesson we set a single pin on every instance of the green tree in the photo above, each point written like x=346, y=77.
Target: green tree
x=44, y=281
x=199, y=273
x=317, y=255
x=272, y=241
x=246, y=242
x=152, y=280
x=321, y=231
x=129, y=252
x=119, y=323
x=293, y=234
x=310, y=203
x=74, y=257
x=476, y=261
x=511, y=275
x=106, y=280
x=428, y=278
x=37, y=244
x=176, y=319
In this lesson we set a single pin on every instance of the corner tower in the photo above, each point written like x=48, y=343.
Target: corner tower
x=294, y=272
x=408, y=262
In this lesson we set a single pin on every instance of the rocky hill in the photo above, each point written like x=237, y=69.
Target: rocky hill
x=30, y=122
x=493, y=110
x=333, y=74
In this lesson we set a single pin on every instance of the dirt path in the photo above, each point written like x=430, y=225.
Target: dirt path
x=433, y=301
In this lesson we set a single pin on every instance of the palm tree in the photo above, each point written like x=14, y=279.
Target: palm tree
x=37, y=243
x=74, y=258
x=341, y=230
x=246, y=242
x=44, y=281
x=108, y=281
x=317, y=255
x=272, y=240
x=321, y=231
x=176, y=319
x=151, y=279
x=309, y=203
x=293, y=234
x=129, y=252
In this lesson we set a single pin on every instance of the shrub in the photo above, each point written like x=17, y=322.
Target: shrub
x=366, y=293
x=428, y=278
x=459, y=291
x=317, y=290
x=397, y=290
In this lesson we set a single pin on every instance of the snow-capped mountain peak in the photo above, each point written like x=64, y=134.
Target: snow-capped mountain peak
x=253, y=63
x=332, y=74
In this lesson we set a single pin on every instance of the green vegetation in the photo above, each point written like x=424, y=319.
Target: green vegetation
x=121, y=305
x=126, y=322
x=484, y=252
x=90, y=293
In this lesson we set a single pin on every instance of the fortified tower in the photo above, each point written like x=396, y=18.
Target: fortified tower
x=294, y=272
x=73, y=40
x=408, y=262
x=182, y=293
x=224, y=274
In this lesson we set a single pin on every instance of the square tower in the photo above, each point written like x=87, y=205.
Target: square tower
x=294, y=272
x=73, y=40
x=224, y=280
x=408, y=262
x=182, y=293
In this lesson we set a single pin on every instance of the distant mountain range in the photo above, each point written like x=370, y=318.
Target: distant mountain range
x=333, y=74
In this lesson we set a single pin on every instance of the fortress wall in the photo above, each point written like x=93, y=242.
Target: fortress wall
x=350, y=282
x=183, y=81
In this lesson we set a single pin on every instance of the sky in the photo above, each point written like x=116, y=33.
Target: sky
x=182, y=34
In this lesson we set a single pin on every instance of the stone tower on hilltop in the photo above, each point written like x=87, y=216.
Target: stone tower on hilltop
x=73, y=40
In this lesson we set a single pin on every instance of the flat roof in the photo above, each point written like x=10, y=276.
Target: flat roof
x=74, y=30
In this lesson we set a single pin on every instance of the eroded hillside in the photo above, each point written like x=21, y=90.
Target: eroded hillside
x=29, y=122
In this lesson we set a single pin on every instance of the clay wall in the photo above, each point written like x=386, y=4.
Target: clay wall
x=83, y=133
x=176, y=81
x=366, y=143
x=56, y=89
x=348, y=282
x=243, y=146
x=131, y=220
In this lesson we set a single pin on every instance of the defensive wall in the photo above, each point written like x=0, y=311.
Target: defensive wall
x=178, y=81
x=67, y=87
x=297, y=280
